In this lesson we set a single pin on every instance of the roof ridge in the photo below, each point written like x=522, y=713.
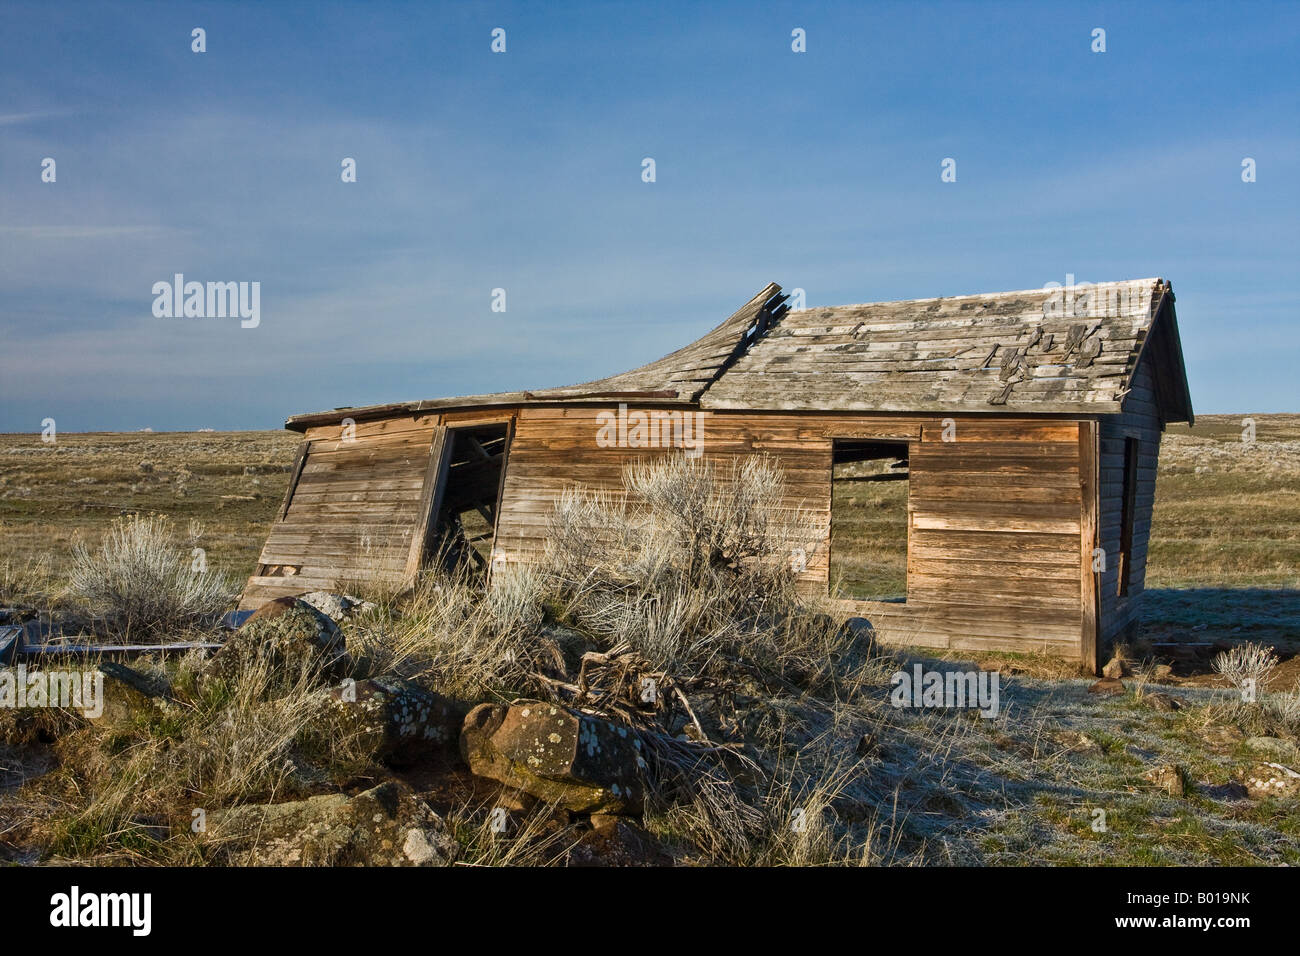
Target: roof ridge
x=1153, y=280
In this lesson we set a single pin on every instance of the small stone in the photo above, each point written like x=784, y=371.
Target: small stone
x=1168, y=777
x=1162, y=702
x=1107, y=686
x=616, y=842
x=418, y=849
x=337, y=607
x=1079, y=742
x=859, y=630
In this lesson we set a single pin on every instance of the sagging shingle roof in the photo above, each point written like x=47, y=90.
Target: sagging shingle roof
x=1071, y=350
x=1058, y=351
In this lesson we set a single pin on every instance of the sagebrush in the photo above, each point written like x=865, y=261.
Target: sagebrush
x=143, y=577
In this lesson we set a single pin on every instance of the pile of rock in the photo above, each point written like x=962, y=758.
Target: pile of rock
x=536, y=752
x=387, y=825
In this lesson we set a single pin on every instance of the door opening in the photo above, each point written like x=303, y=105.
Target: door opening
x=467, y=504
x=869, y=520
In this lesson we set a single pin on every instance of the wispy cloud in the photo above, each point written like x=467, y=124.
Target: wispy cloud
x=17, y=119
x=85, y=232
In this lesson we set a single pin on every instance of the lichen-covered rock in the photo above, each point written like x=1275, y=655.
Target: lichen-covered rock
x=288, y=633
x=1272, y=780
x=578, y=762
x=397, y=720
x=336, y=607
x=128, y=696
x=385, y=826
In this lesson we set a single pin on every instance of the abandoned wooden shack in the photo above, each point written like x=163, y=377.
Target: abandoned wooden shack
x=1021, y=430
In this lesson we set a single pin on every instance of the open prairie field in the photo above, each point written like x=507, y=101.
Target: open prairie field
x=220, y=488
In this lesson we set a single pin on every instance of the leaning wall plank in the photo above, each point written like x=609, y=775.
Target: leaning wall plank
x=352, y=513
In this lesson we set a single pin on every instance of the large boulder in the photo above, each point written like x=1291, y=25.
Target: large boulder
x=397, y=720
x=576, y=761
x=385, y=826
x=288, y=633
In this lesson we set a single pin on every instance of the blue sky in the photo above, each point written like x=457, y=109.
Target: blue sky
x=522, y=170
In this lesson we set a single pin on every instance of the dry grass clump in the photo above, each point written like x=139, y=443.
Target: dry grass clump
x=254, y=736
x=1246, y=665
x=686, y=581
x=25, y=583
x=1248, y=668
x=144, y=579
x=534, y=837
x=452, y=636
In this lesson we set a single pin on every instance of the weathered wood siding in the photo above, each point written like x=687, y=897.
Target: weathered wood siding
x=994, y=558
x=998, y=525
x=352, y=512
x=1141, y=420
x=995, y=515
x=556, y=448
